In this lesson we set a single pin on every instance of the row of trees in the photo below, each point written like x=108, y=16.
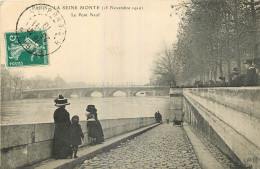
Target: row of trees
x=40, y=82
x=13, y=83
x=214, y=36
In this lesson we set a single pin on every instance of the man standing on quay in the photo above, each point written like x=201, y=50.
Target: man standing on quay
x=251, y=76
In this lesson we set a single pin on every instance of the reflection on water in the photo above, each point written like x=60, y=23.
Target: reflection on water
x=41, y=110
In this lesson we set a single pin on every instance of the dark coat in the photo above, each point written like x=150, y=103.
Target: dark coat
x=251, y=77
x=61, y=140
x=237, y=82
x=94, y=128
x=76, y=134
x=158, y=117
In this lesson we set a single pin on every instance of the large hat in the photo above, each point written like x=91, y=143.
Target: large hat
x=91, y=108
x=61, y=101
x=248, y=61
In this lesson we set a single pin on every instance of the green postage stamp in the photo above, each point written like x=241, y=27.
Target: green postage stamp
x=26, y=48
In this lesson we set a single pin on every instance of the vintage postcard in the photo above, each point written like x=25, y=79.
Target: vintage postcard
x=130, y=84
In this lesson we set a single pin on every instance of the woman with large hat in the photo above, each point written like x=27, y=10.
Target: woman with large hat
x=61, y=140
x=95, y=131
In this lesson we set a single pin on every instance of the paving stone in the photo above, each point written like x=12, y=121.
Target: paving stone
x=165, y=146
x=221, y=157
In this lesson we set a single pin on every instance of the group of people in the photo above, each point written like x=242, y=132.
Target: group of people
x=236, y=79
x=68, y=134
x=252, y=76
x=158, y=117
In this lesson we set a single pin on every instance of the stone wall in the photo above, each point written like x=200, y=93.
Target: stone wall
x=228, y=117
x=26, y=144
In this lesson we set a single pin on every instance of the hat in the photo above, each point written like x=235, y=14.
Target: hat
x=256, y=61
x=60, y=101
x=75, y=119
x=248, y=61
x=91, y=108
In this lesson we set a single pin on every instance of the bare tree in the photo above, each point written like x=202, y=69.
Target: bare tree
x=164, y=70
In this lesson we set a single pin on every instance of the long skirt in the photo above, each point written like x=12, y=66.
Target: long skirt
x=61, y=142
x=100, y=133
x=95, y=131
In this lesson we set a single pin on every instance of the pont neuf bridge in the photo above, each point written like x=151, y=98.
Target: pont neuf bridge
x=228, y=117
x=106, y=91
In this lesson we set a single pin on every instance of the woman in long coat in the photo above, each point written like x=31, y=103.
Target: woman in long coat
x=95, y=131
x=61, y=141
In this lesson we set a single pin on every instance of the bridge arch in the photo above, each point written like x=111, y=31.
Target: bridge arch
x=96, y=93
x=139, y=93
x=92, y=93
x=119, y=93
x=87, y=93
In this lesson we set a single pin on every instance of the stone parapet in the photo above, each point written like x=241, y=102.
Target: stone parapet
x=229, y=117
x=26, y=144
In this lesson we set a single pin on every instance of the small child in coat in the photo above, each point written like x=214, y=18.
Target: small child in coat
x=76, y=134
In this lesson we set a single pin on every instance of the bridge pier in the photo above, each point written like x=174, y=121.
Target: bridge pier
x=130, y=93
x=105, y=94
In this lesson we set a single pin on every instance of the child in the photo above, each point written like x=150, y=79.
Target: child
x=76, y=134
x=92, y=128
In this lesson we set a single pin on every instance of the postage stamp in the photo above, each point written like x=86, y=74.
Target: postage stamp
x=31, y=48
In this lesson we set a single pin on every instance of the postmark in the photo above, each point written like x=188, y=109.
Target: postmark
x=42, y=17
x=36, y=47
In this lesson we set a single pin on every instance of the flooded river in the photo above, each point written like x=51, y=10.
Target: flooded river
x=41, y=110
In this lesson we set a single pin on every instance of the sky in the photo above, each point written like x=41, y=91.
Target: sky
x=118, y=47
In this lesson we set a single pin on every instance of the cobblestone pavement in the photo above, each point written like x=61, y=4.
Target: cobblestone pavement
x=165, y=146
x=219, y=155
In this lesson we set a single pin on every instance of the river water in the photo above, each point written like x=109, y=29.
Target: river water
x=41, y=110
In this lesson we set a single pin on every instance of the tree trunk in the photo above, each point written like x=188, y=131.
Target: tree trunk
x=10, y=88
x=208, y=72
x=3, y=94
x=229, y=70
x=220, y=68
x=238, y=59
x=254, y=33
x=15, y=87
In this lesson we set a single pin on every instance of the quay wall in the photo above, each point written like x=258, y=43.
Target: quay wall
x=26, y=144
x=229, y=118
